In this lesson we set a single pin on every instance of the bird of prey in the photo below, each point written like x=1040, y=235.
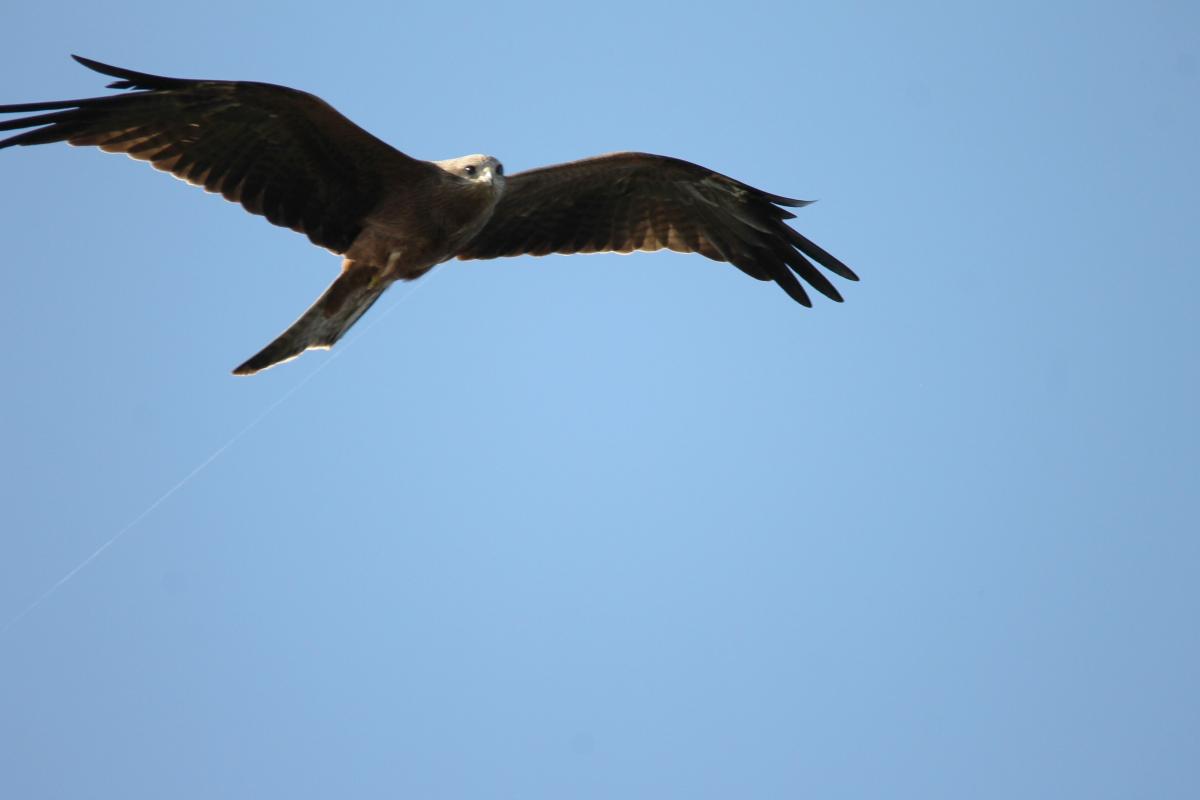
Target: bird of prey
x=289, y=156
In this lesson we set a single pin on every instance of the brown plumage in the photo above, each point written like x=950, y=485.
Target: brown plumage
x=292, y=158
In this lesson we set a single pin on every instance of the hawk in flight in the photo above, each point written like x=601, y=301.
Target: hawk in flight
x=292, y=158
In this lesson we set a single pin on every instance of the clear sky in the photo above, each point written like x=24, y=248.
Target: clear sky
x=621, y=527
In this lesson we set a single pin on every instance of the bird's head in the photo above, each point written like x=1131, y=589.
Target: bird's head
x=477, y=169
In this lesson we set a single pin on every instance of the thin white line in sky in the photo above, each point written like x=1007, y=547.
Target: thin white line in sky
x=334, y=355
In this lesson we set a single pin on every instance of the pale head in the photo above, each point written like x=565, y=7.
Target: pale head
x=476, y=168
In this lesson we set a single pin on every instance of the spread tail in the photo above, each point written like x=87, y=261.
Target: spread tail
x=334, y=312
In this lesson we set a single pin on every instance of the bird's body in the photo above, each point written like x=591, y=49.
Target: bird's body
x=294, y=159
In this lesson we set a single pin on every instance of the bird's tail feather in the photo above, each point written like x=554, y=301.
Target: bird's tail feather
x=334, y=312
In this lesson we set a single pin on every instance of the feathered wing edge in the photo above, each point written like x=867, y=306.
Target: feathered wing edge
x=279, y=152
x=131, y=79
x=44, y=129
x=554, y=209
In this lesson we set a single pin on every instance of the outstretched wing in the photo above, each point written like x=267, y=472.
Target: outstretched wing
x=636, y=201
x=281, y=153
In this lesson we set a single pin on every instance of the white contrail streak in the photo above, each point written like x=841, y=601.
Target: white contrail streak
x=211, y=458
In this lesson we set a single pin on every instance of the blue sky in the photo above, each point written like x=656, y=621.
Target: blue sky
x=621, y=526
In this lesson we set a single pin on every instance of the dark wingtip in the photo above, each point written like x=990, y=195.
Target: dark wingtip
x=831, y=292
x=91, y=63
x=819, y=254
x=102, y=68
x=130, y=79
x=800, y=297
x=792, y=202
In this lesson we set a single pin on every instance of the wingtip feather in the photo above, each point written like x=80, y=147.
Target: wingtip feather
x=130, y=79
x=791, y=202
x=102, y=68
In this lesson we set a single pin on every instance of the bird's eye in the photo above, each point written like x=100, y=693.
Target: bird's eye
x=469, y=169
x=499, y=169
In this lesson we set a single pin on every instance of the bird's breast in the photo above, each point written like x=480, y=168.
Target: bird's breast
x=427, y=228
